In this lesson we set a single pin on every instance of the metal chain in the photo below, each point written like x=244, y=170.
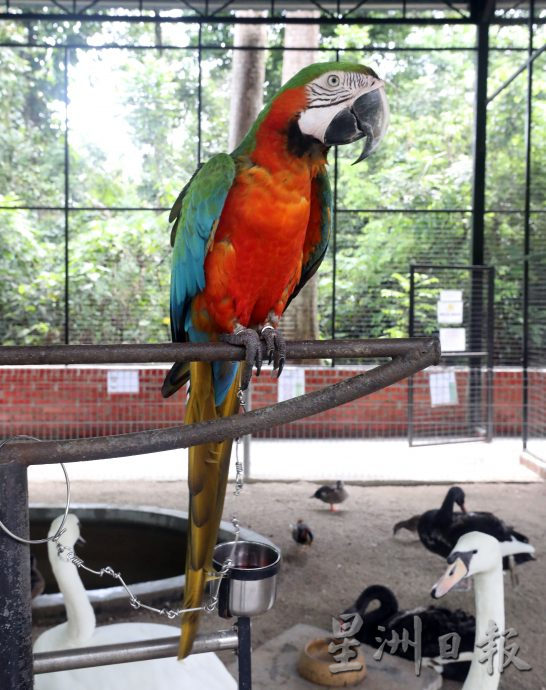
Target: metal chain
x=239, y=466
x=70, y=556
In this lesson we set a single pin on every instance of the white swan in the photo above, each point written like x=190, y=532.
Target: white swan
x=197, y=671
x=479, y=555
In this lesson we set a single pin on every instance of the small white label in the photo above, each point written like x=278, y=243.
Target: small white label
x=450, y=312
x=443, y=388
x=453, y=339
x=122, y=381
x=291, y=383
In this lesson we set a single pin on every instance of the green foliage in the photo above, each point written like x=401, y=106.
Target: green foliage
x=133, y=142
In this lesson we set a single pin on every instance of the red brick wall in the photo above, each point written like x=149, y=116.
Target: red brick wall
x=64, y=402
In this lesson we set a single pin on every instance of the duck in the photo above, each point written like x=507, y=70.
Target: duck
x=302, y=534
x=331, y=494
x=435, y=622
x=439, y=531
x=80, y=630
x=480, y=556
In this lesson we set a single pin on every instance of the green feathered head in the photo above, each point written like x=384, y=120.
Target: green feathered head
x=339, y=102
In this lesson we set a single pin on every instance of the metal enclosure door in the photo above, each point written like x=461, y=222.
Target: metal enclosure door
x=452, y=402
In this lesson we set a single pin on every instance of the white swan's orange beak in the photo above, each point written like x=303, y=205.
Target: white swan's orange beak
x=455, y=572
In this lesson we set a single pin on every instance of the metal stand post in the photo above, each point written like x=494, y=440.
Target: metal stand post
x=16, y=618
x=247, y=439
x=244, y=653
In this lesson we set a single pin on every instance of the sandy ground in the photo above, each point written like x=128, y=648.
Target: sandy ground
x=354, y=548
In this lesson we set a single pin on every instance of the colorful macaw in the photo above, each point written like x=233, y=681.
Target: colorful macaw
x=250, y=229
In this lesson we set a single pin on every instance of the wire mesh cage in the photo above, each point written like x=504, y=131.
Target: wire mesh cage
x=110, y=109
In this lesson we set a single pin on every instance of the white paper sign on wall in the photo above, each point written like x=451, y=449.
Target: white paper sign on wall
x=453, y=339
x=443, y=388
x=122, y=381
x=450, y=306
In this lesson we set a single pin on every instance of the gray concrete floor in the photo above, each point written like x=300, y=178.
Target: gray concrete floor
x=371, y=461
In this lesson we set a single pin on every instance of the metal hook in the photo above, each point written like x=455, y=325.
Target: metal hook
x=60, y=531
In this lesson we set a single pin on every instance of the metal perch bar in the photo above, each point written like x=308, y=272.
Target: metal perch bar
x=409, y=356
x=201, y=352
x=84, y=657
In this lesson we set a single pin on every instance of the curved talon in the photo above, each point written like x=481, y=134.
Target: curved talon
x=276, y=347
x=250, y=340
x=268, y=336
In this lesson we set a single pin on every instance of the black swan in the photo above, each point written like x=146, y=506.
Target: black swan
x=439, y=530
x=435, y=623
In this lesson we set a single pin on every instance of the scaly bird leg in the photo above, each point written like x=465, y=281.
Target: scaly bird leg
x=250, y=340
x=276, y=347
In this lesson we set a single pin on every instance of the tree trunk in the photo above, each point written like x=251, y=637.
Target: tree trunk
x=247, y=77
x=300, y=320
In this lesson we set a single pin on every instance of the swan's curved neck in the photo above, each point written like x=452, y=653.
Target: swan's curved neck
x=445, y=511
x=79, y=612
x=489, y=593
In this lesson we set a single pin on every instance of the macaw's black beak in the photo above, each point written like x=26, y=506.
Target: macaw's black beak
x=367, y=117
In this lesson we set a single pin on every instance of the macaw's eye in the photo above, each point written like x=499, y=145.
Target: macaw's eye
x=333, y=80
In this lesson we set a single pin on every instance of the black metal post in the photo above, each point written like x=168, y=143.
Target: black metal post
x=199, y=91
x=490, y=348
x=411, y=330
x=478, y=221
x=66, y=206
x=527, y=236
x=15, y=611
x=244, y=653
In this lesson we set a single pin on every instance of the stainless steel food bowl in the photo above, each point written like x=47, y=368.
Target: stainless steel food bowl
x=250, y=585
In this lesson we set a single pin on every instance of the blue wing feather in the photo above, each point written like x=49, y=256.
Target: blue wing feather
x=195, y=214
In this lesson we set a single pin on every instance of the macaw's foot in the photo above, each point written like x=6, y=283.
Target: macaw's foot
x=276, y=347
x=250, y=340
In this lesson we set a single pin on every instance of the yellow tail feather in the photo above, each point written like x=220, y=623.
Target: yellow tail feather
x=208, y=470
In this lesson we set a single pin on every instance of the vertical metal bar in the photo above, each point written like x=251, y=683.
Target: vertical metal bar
x=66, y=202
x=247, y=440
x=15, y=612
x=527, y=236
x=334, y=250
x=478, y=221
x=244, y=653
x=490, y=349
x=334, y=239
x=411, y=329
x=199, y=90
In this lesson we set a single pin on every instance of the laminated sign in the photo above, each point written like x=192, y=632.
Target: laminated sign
x=450, y=307
x=443, y=388
x=122, y=381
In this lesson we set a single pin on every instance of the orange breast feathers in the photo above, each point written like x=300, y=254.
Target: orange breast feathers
x=255, y=260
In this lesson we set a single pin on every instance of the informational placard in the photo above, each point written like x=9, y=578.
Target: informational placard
x=443, y=388
x=450, y=306
x=122, y=381
x=453, y=339
x=291, y=383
